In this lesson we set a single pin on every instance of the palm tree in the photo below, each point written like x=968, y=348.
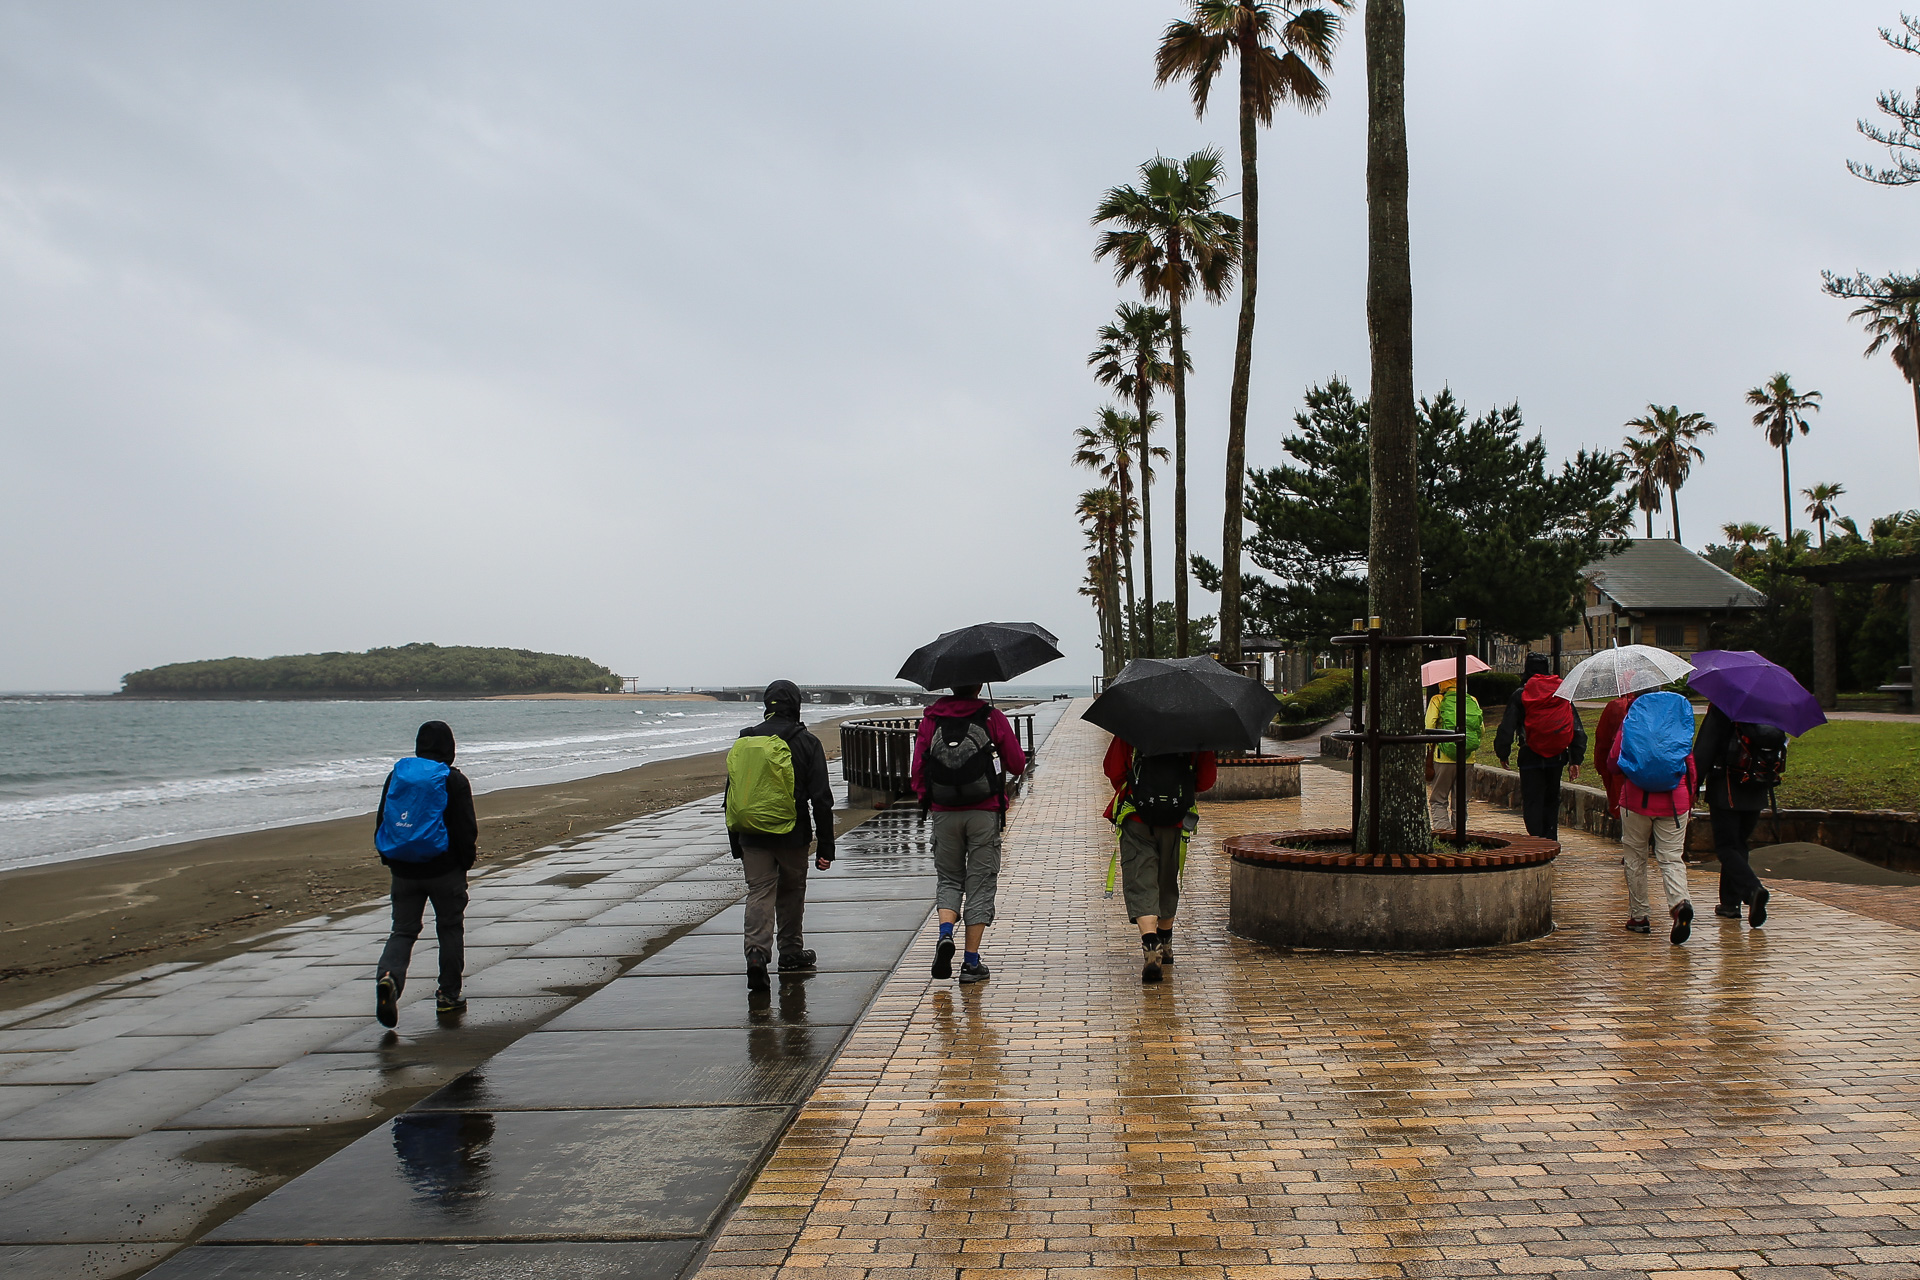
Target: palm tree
x=1746, y=537
x=1131, y=358
x=1890, y=308
x=1167, y=232
x=1672, y=434
x=1781, y=410
x=1103, y=514
x=1820, y=505
x=1641, y=458
x=1195, y=49
x=1109, y=450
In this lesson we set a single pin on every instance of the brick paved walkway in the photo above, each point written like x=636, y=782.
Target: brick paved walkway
x=1592, y=1103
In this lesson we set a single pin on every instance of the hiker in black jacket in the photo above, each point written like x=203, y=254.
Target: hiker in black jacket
x=776, y=864
x=1539, y=775
x=441, y=880
x=1735, y=809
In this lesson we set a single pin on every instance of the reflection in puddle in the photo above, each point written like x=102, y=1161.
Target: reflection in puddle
x=444, y=1156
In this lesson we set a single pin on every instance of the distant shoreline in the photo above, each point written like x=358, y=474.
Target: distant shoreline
x=354, y=695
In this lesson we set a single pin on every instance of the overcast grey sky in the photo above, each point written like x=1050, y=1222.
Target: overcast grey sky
x=725, y=343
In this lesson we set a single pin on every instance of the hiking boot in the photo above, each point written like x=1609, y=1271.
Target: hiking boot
x=757, y=975
x=1682, y=923
x=1642, y=925
x=1166, y=949
x=386, y=1001
x=1758, y=915
x=444, y=1003
x=1149, y=959
x=943, y=958
x=976, y=972
x=1726, y=912
x=797, y=962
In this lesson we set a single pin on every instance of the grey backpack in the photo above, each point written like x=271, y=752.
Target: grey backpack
x=959, y=765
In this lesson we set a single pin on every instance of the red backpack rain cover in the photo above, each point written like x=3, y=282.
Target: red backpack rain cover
x=1549, y=717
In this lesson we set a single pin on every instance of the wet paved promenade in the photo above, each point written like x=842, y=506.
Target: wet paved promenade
x=620, y=1114
x=1593, y=1103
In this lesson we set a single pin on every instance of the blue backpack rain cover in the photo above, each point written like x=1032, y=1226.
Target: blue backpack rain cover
x=413, y=825
x=1655, y=740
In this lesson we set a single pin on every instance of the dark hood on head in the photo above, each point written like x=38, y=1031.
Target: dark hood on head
x=782, y=698
x=434, y=742
x=1538, y=664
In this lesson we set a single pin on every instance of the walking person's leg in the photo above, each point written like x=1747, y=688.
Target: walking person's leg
x=449, y=895
x=1549, y=803
x=1167, y=842
x=1669, y=850
x=409, y=899
x=1140, y=881
x=1440, y=794
x=1737, y=881
x=762, y=869
x=790, y=906
x=1636, y=840
x=1533, y=789
x=1759, y=898
x=950, y=883
x=982, y=881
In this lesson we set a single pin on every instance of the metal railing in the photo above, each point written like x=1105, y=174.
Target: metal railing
x=878, y=754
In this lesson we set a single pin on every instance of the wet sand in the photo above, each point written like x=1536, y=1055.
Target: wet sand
x=68, y=924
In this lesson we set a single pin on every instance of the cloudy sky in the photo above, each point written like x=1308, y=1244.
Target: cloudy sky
x=719, y=344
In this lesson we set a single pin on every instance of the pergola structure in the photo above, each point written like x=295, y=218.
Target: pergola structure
x=1826, y=625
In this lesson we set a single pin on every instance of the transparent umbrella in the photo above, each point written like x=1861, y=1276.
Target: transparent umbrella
x=1630, y=668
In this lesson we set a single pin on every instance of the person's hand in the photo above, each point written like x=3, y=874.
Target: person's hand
x=1574, y=771
x=825, y=864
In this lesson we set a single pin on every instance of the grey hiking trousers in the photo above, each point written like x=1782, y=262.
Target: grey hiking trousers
x=966, y=862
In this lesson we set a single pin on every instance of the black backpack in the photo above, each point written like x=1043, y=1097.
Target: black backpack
x=1757, y=755
x=959, y=764
x=1161, y=788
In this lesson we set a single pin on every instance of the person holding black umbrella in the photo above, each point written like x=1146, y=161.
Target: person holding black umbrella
x=961, y=758
x=1155, y=812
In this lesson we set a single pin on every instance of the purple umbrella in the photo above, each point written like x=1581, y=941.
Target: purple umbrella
x=1748, y=687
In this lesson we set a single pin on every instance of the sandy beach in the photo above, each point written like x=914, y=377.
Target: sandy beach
x=68, y=924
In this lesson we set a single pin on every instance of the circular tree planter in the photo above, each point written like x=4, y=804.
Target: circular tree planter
x=1256, y=778
x=1302, y=889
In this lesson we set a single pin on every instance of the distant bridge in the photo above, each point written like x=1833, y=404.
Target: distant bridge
x=858, y=695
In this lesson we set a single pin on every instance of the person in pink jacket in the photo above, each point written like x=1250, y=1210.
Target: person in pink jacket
x=961, y=758
x=1653, y=827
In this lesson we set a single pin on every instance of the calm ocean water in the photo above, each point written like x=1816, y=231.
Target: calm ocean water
x=80, y=777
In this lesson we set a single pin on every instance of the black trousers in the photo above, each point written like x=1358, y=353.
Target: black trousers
x=1732, y=829
x=1540, y=801
x=448, y=893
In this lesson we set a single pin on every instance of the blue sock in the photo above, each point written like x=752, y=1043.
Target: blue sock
x=972, y=958
x=946, y=928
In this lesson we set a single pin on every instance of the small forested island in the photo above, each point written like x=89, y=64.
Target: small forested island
x=457, y=670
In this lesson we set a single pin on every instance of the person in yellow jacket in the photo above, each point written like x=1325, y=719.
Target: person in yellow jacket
x=1442, y=710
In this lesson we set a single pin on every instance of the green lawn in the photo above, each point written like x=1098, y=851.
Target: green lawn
x=1846, y=764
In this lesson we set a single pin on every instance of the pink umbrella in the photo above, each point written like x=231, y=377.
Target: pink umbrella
x=1447, y=668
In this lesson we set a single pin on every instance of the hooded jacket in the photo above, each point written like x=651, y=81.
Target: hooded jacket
x=1006, y=745
x=811, y=789
x=1515, y=722
x=435, y=742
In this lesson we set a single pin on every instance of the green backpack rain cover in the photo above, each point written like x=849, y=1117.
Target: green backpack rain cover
x=760, y=785
x=1475, y=721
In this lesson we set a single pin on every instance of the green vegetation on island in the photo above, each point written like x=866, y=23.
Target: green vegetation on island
x=413, y=668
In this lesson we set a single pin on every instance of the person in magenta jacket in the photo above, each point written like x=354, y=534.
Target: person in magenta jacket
x=961, y=758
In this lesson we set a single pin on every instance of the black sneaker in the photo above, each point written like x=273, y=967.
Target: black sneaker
x=1149, y=959
x=1758, y=915
x=757, y=975
x=974, y=972
x=1639, y=926
x=797, y=962
x=1682, y=923
x=943, y=958
x=1726, y=912
x=386, y=1001
x=444, y=1003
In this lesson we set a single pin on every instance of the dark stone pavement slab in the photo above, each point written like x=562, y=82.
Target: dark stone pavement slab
x=79, y=1261
x=321, y=1089
x=266, y=1043
x=600, y=940
x=833, y=888
x=97, y=1061
x=667, y=912
x=829, y=916
x=123, y=1105
x=488, y=1024
x=554, y=1175
x=157, y=1187
x=24, y=1163
x=725, y=953
x=552, y=975
x=572, y=1260
x=669, y=1002
x=209, y=1014
x=565, y=1070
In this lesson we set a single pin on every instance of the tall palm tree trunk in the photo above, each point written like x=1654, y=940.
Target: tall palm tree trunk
x=1786, y=487
x=1393, y=546
x=1649, y=522
x=1180, y=640
x=1673, y=500
x=1143, y=398
x=1915, y=384
x=1129, y=627
x=1242, y=357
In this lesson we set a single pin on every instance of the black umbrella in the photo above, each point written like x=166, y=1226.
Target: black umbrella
x=980, y=653
x=1162, y=705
